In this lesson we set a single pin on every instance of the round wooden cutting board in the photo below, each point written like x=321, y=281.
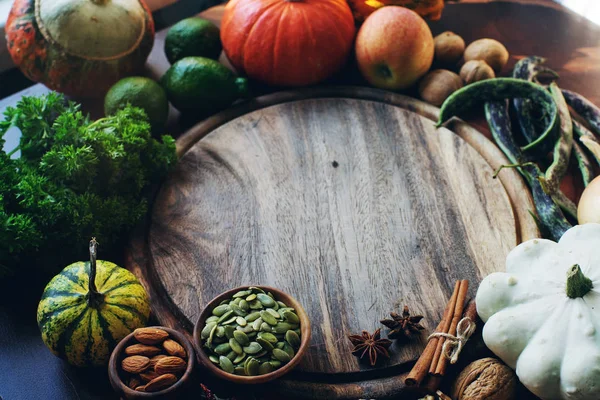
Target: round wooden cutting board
x=354, y=206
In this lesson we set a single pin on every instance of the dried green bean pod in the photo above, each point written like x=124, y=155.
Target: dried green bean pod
x=550, y=218
x=584, y=164
x=530, y=121
x=585, y=108
x=562, y=149
x=499, y=89
x=588, y=140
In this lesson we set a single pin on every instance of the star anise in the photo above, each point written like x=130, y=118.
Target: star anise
x=403, y=325
x=369, y=344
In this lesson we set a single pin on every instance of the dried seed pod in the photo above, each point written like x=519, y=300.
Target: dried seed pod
x=437, y=85
x=476, y=70
x=485, y=379
x=449, y=48
x=489, y=50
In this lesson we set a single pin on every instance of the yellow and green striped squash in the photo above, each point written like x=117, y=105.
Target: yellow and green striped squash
x=85, y=333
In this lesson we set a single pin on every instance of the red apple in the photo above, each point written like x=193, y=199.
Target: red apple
x=394, y=48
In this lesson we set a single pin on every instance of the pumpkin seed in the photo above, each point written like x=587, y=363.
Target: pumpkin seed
x=229, y=330
x=257, y=323
x=255, y=305
x=268, y=318
x=290, y=317
x=274, y=313
x=244, y=305
x=239, y=371
x=279, y=345
x=298, y=332
x=250, y=297
x=214, y=359
x=212, y=318
x=256, y=289
x=245, y=329
x=268, y=337
x=231, y=355
x=226, y=364
x=283, y=327
x=220, y=332
x=235, y=346
x=265, y=327
x=229, y=321
x=241, y=321
x=252, y=366
x=224, y=302
x=220, y=310
x=293, y=339
x=265, y=300
x=281, y=304
x=211, y=336
x=275, y=363
x=206, y=330
x=225, y=316
x=265, y=368
x=238, y=311
x=239, y=358
x=271, y=295
x=261, y=354
x=252, y=348
x=252, y=335
x=235, y=301
x=223, y=349
x=265, y=344
x=253, y=316
x=281, y=355
x=241, y=338
x=242, y=293
x=288, y=349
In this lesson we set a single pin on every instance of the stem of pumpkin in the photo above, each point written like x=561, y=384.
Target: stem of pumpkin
x=578, y=285
x=94, y=298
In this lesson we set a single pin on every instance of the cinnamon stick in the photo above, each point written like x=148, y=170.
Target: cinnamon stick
x=421, y=368
x=442, y=361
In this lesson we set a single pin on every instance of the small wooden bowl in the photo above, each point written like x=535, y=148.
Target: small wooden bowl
x=279, y=295
x=171, y=392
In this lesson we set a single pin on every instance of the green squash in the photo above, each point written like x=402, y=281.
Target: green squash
x=83, y=319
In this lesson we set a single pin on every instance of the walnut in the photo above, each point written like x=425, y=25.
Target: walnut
x=485, y=379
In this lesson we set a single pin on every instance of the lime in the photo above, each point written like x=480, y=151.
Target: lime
x=202, y=85
x=193, y=37
x=139, y=92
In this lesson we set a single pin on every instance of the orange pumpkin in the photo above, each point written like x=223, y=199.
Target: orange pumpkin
x=288, y=42
x=430, y=9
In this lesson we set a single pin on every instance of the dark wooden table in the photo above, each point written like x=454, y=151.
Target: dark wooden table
x=526, y=27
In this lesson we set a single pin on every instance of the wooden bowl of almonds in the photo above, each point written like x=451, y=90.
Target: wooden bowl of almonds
x=152, y=363
x=252, y=334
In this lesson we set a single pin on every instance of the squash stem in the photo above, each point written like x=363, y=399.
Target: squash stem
x=94, y=298
x=578, y=285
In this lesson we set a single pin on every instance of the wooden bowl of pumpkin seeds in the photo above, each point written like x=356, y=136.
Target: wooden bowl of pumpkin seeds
x=252, y=334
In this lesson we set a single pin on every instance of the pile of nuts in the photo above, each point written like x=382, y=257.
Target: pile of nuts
x=155, y=363
x=483, y=59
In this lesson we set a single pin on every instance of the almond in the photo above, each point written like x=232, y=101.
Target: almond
x=174, y=348
x=160, y=383
x=135, y=364
x=170, y=365
x=154, y=360
x=142, y=350
x=150, y=335
x=134, y=382
x=148, y=375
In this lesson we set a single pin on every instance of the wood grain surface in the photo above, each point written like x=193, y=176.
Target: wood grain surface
x=354, y=206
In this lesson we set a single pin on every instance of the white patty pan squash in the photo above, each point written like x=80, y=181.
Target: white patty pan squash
x=543, y=314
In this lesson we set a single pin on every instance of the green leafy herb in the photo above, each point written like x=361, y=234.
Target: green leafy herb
x=75, y=179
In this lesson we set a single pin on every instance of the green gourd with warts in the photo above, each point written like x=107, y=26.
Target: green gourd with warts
x=88, y=308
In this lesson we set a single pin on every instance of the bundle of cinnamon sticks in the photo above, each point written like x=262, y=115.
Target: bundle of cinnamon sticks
x=432, y=364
